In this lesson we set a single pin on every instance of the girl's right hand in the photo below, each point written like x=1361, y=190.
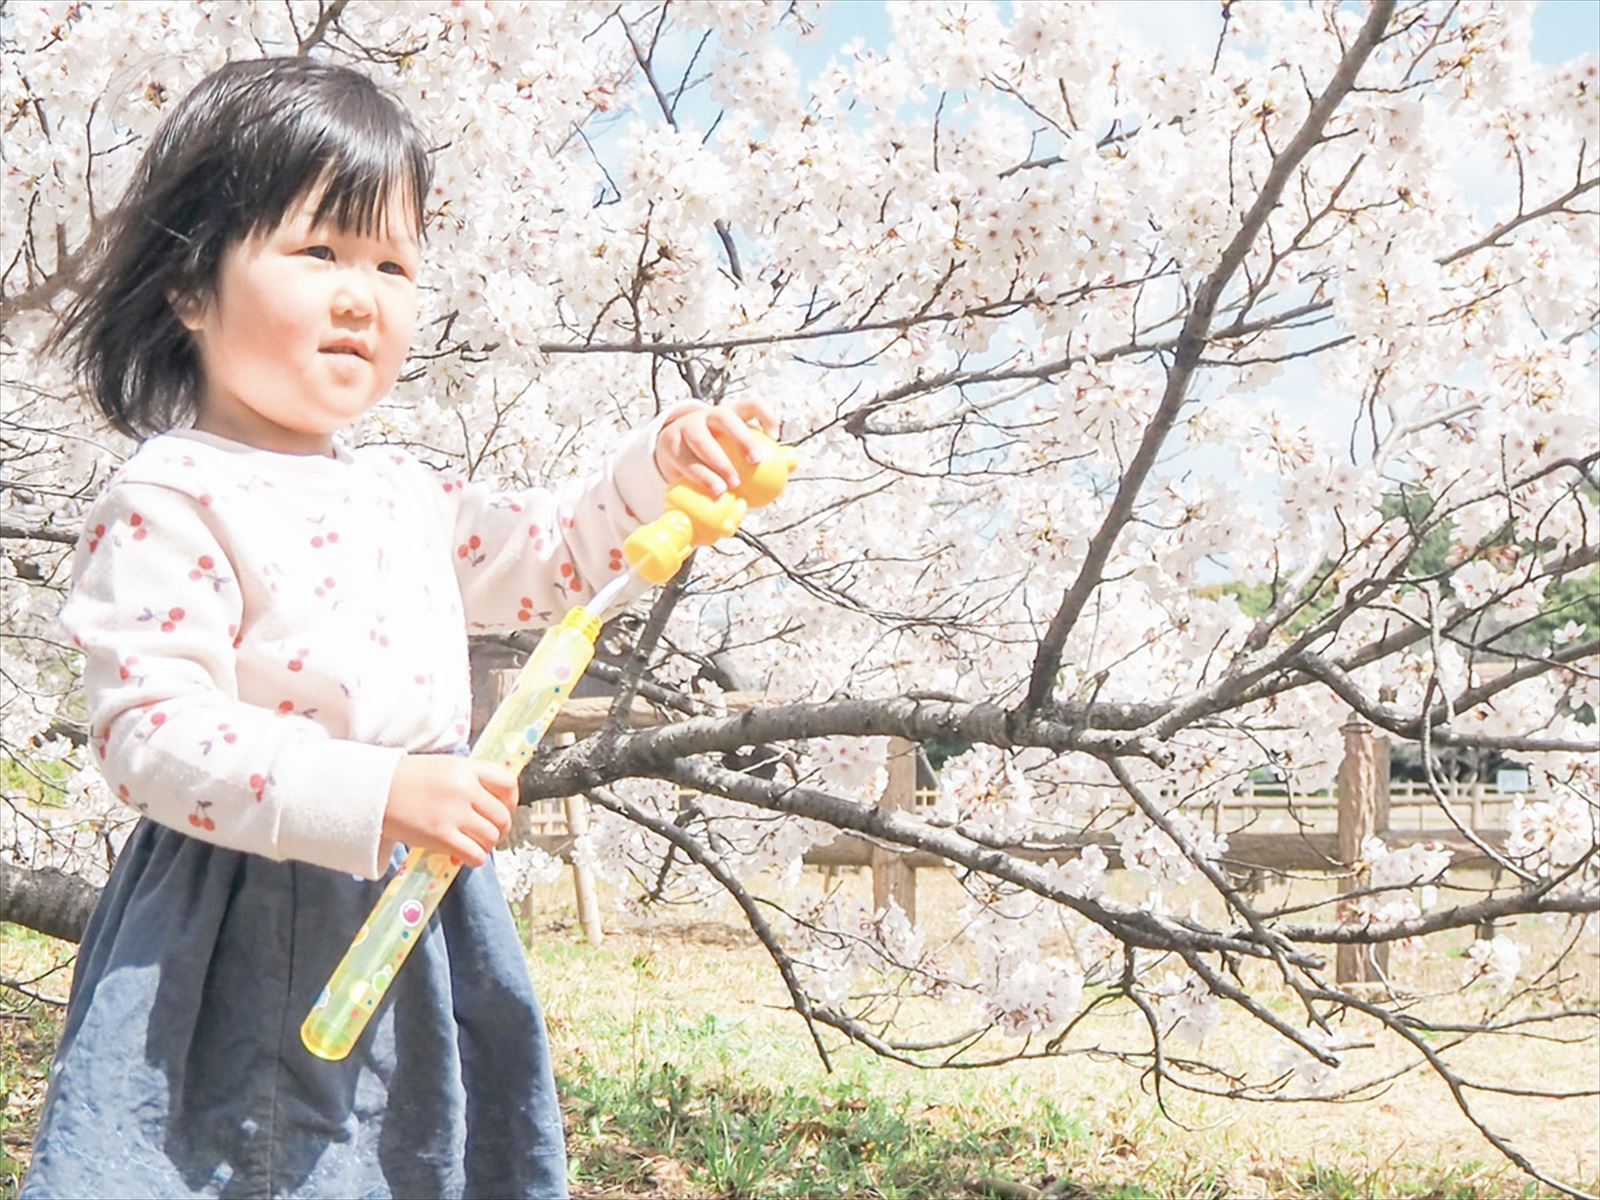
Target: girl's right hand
x=450, y=805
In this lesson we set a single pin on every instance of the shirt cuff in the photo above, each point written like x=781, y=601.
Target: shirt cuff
x=334, y=797
x=638, y=480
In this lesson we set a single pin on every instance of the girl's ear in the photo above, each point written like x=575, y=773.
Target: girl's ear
x=188, y=310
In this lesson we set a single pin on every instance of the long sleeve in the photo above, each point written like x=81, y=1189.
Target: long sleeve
x=524, y=558
x=157, y=608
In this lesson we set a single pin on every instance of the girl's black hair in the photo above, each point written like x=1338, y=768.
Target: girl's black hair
x=252, y=140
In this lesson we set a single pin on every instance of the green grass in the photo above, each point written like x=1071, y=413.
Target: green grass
x=27, y=1040
x=37, y=781
x=731, y=1136
x=683, y=1075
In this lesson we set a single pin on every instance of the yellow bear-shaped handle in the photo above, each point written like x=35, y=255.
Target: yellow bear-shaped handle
x=692, y=518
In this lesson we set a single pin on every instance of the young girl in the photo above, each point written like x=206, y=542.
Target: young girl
x=275, y=637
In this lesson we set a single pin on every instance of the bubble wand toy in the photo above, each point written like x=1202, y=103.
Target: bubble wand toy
x=654, y=552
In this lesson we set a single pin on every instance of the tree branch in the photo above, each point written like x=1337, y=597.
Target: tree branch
x=1186, y=357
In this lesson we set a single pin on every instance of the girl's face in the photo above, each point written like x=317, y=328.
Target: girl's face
x=308, y=330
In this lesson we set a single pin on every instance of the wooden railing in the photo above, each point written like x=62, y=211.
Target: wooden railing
x=1321, y=831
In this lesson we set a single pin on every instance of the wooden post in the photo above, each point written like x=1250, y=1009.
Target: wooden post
x=577, y=814
x=1360, y=790
x=493, y=668
x=1380, y=765
x=892, y=877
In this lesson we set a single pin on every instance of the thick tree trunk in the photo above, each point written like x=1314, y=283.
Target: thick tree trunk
x=51, y=902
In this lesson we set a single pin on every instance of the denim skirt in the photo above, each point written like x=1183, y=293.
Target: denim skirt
x=180, y=1070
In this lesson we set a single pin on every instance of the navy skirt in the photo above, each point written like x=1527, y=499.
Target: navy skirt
x=180, y=1070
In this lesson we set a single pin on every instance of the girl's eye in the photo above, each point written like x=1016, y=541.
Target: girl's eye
x=323, y=252
x=393, y=268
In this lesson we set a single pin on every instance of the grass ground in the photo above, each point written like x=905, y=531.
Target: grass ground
x=683, y=1075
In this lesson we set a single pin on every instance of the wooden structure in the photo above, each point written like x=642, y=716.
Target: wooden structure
x=893, y=876
x=1363, y=811
x=1363, y=802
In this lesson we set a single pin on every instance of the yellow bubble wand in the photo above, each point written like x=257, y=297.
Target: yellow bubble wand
x=654, y=552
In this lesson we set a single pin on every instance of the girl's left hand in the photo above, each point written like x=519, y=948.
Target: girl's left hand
x=686, y=451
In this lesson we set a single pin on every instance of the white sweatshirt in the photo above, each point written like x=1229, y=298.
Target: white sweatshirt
x=266, y=635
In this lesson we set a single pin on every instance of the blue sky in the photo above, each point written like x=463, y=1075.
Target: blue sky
x=1562, y=29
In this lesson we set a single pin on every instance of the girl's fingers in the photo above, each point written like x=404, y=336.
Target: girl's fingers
x=732, y=425
x=701, y=460
x=493, y=808
x=501, y=784
x=467, y=851
x=704, y=479
x=496, y=778
x=711, y=456
x=750, y=408
x=481, y=831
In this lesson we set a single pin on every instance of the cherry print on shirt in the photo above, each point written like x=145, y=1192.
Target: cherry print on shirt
x=153, y=720
x=569, y=578
x=259, y=785
x=140, y=530
x=94, y=538
x=125, y=670
x=199, y=818
x=540, y=534
x=326, y=538
x=205, y=568
x=224, y=733
x=169, y=621
x=525, y=612
x=286, y=708
x=469, y=550
x=326, y=586
x=616, y=559
x=298, y=662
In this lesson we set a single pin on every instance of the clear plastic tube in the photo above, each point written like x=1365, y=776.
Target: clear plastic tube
x=655, y=552
x=401, y=916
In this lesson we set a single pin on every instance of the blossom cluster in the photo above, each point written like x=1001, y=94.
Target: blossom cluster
x=959, y=264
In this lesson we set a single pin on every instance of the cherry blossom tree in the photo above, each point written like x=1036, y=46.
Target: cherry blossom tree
x=1158, y=414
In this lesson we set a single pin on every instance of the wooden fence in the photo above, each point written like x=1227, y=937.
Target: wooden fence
x=1324, y=831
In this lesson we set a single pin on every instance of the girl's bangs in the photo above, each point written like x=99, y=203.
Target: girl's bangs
x=355, y=158
x=360, y=184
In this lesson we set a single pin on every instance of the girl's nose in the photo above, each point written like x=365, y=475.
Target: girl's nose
x=353, y=297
